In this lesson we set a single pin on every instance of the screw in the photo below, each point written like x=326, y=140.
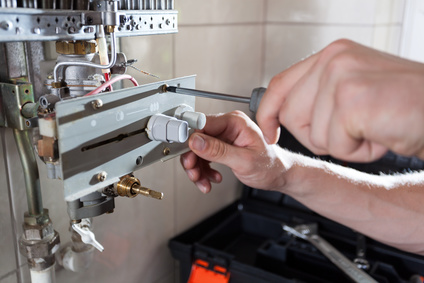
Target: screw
x=102, y=176
x=89, y=20
x=97, y=104
x=6, y=25
x=166, y=151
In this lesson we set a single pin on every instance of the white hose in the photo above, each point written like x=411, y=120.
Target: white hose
x=44, y=276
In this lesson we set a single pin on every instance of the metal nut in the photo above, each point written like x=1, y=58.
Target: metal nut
x=79, y=47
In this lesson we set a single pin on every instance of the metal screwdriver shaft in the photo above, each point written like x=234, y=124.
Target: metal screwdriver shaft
x=207, y=94
x=253, y=100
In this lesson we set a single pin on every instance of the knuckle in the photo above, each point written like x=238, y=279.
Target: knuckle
x=238, y=114
x=337, y=46
x=276, y=80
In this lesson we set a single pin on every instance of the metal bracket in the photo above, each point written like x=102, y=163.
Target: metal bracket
x=12, y=98
x=45, y=25
x=102, y=138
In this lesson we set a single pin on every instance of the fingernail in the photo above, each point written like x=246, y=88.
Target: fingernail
x=190, y=174
x=198, y=143
x=201, y=187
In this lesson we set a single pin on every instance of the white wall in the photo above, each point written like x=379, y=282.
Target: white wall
x=232, y=46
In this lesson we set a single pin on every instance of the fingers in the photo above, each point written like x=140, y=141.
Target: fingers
x=200, y=172
x=216, y=150
x=275, y=98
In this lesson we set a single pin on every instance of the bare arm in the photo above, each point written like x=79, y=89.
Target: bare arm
x=387, y=208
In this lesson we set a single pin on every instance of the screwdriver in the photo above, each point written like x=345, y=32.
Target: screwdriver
x=253, y=101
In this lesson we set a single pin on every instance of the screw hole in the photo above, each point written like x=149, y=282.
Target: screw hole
x=26, y=91
x=139, y=160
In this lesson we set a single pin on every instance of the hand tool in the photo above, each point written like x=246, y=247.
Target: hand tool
x=253, y=100
x=361, y=249
x=309, y=233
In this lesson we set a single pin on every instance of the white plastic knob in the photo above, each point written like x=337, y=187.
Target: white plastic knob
x=167, y=129
x=195, y=120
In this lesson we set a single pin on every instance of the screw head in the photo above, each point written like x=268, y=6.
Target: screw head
x=102, y=176
x=97, y=104
x=166, y=151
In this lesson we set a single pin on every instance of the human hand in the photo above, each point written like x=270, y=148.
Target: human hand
x=349, y=101
x=236, y=141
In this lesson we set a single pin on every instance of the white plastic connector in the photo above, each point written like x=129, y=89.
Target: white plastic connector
x=167, y=129
x=196, y=120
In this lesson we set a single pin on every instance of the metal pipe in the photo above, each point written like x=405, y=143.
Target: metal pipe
x=90, y=64
x=30, y=168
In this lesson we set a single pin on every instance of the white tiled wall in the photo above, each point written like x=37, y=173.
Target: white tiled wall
x=232, y=46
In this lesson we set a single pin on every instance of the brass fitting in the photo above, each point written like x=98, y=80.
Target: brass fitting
x=110, y=29
x=79, y=47
x=58, y=84
x=130, y=187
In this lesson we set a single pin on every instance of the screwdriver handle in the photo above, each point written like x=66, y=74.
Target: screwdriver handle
x=256, y=97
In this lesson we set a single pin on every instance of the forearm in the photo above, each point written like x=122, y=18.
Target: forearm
x=386, y=208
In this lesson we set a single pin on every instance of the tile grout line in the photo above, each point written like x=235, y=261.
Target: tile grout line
x=174, y=72
x=290, y=23
x=263, y=43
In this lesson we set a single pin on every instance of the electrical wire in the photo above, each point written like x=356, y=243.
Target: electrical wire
x=107, y=78
x=110, y=82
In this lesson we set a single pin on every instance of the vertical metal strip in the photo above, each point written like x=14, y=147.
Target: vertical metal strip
x=13, y=214
x=30, y=170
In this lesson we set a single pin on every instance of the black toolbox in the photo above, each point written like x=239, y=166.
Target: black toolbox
x=245, y=241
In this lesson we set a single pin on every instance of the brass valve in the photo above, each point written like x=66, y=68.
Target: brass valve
x=130, y=187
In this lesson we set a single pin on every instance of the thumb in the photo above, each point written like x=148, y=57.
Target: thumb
x=215, y=150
